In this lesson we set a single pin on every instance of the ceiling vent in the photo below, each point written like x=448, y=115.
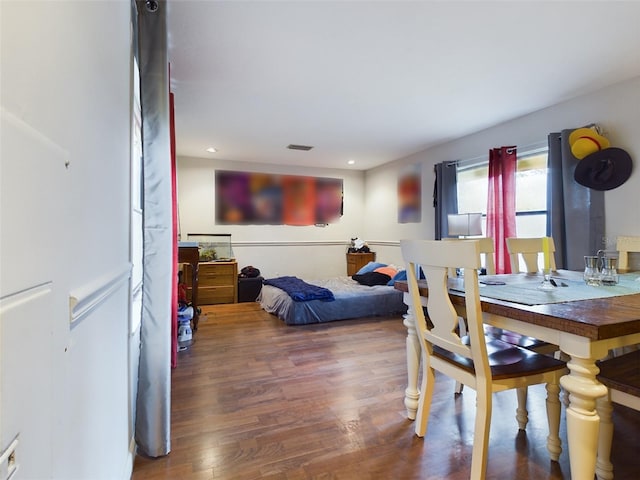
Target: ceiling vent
x=293, y=146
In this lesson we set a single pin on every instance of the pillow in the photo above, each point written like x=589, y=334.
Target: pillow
x=401, y=275
x=371, y=278
x=387, y=271
x=370, y=267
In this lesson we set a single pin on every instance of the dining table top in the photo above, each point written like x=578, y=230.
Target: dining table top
x=593, y=318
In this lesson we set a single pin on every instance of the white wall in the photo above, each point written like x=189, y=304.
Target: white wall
x=65, y=238
x=616, y=109
x=371, y=202
x=309, y=252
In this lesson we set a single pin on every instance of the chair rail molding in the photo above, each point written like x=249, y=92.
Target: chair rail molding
x=312, y=243
x=86, y=298
x=292, y=243
x=384, y=243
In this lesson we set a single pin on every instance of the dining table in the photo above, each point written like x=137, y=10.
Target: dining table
x=585, y=322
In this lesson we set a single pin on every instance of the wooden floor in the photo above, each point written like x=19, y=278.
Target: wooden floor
x=256, y=399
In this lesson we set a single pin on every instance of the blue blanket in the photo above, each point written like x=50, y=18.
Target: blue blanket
x=299, y=290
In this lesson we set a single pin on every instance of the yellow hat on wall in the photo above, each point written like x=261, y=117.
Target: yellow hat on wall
x=585, y=141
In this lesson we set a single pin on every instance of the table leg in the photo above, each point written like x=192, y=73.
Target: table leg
x=411, y=394
x=604, y=467
x=582, y=419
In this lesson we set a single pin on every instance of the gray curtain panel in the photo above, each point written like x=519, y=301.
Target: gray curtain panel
x=576, y=213
x=445, y=197
x=153, y=404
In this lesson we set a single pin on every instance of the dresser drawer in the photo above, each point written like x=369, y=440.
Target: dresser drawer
x=215, y=295
x=212, y=274
x=215, y=269
x=217, y=282
x=210, y=278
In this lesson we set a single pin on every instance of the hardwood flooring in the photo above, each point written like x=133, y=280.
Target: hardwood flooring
x=256, y=399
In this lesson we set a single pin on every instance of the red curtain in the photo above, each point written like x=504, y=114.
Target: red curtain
x=174, y=207
x=501, y=204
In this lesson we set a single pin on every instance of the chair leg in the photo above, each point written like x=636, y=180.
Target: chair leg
x=426, y=393
x=462, y=326
x=604, y=467
x=554, y=444
x=481, y=433
x=522, y=415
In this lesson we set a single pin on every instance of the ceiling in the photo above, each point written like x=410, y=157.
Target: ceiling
x=373, y=81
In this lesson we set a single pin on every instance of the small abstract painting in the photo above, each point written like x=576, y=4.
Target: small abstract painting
x=410, y=194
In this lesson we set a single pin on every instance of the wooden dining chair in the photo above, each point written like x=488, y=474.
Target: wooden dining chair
x=483, y=363
x=487, y=249
x=621, y=376
x=529, y=249
x=626, y=245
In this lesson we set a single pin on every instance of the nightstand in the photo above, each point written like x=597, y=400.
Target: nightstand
x=355, y=261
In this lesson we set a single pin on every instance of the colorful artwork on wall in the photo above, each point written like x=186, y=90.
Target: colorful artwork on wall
x=410, y=194
x=266, y=199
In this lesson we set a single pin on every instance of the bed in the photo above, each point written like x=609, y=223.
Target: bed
x=351, y=300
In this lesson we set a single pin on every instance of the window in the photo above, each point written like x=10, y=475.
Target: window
x=531, y=195
x=531, y=191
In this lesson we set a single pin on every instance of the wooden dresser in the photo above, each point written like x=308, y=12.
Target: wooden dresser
x=355, y=261
x=217, y=282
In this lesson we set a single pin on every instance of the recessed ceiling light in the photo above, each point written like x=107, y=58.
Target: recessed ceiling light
x=211, y=150
x=351, y=162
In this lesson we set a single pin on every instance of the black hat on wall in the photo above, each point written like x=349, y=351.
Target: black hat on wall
x=605, y=169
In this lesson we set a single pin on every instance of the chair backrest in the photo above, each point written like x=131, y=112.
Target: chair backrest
x=436, y=258
x=529, y=248
x=487, y=249
x=624, y=245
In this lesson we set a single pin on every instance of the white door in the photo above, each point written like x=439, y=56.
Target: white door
x=32, y=200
